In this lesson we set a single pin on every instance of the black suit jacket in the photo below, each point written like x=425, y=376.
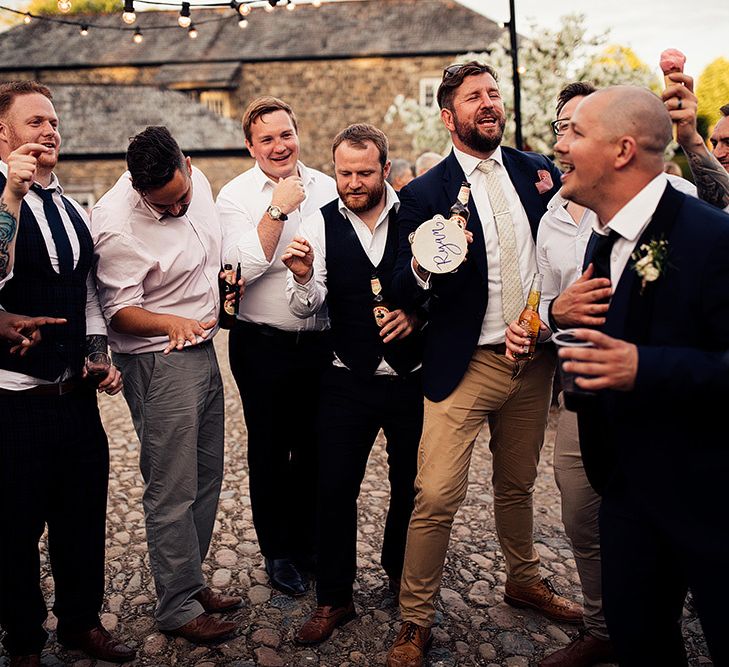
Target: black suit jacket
x=665, y=443
x=457, y=301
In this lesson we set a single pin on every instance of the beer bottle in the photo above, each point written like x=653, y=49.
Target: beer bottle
x=229, y=285
x=459, y=211
x=529, y=318
x=380, y=307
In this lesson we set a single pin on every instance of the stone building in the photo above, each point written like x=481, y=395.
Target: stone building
x=339, y=63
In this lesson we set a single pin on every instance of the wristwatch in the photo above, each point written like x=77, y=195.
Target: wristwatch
x=276, y=213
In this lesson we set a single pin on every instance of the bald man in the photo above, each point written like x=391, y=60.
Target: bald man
x=659, y=370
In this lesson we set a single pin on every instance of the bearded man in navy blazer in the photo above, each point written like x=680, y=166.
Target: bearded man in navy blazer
x=467, y=378
x=653, y=437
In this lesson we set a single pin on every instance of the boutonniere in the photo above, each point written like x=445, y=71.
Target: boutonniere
x=650, y=261
x=544, y=184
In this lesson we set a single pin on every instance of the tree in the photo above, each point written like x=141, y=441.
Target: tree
x=550, y=60
x=712, y=89
x=50, y=7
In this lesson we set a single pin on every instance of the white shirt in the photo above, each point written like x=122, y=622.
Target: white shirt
x=561, y=243
x=95, y=325
x=154, y=261
x=493, y=326
x=304, y=300
x=241, y=204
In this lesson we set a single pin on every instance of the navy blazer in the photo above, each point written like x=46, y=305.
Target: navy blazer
x=666, y=441
x=457, y=301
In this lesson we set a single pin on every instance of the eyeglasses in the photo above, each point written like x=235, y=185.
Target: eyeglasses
x=559, y=127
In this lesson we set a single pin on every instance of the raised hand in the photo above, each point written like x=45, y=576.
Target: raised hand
x=288, y=194
x=397, y=324
x=299, y=259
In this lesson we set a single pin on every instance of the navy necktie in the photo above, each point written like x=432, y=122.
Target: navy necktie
x=58, y=230
x=598, y=251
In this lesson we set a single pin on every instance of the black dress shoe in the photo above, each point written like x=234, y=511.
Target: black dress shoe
x=284, y=576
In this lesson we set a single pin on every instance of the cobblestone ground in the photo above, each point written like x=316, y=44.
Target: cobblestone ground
x=474, y=625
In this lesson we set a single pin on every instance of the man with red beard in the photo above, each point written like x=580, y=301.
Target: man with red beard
x=345, y=255
x=466, y=376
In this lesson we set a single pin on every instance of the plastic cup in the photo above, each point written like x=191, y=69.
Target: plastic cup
x=567, y=338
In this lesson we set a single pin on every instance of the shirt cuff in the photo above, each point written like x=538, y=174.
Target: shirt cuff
x=423, y=284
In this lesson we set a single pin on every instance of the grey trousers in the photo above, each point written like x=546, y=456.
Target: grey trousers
x=580, y=509
x=177, y=407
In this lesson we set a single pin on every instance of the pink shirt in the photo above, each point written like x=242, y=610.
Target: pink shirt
x=163, y=264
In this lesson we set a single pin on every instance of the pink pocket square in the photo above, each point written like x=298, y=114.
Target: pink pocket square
x=544, y=184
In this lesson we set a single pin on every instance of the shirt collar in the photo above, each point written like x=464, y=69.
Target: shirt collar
x=469, y=163
x=633, y=218
x=262, y=181
x=392, y=202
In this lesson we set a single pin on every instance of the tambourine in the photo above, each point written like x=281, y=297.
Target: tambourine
x=439, y=245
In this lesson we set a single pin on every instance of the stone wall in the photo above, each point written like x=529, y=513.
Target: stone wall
x=90, y=179
x=329, y=95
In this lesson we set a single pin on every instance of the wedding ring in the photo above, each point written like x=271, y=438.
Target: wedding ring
x=680, y=104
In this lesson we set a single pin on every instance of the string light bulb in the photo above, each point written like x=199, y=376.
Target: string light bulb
x=84, y=30
x=129, y=16
x=316, y=3
x=27, y=19
x=243, y=23
x=192, y=31
x=244, y=9
x=138, y=37
x=270, y=5
x=291, y=6
x=184, y=20
x=521, y=69
x=64, y=6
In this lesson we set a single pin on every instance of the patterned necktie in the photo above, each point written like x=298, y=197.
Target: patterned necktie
x=58, y=230
x=512, y=290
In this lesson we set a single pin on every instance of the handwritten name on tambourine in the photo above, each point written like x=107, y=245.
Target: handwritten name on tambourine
x=439, y=245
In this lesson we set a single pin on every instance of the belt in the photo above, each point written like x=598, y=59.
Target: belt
x=272, y=332
x=496, y=348
x=55, y=389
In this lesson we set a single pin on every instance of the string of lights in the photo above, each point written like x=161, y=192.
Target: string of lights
x=242, y=9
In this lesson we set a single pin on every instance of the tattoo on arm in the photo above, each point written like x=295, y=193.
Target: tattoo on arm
x=96, y=343
x=712, y=180
x=8, y=228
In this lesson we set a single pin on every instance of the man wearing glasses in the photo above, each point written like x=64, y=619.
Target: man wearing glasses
x=157, y=242
x=467, y=377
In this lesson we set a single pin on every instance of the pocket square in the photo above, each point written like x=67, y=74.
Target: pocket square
x=544, y=184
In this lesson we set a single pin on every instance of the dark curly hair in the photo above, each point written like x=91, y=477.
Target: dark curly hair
x=153, y=157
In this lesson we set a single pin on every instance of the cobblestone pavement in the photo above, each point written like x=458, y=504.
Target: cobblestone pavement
x=474, y=625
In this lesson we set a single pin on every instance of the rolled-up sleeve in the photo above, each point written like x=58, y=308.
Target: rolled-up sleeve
x=122, y=266
x=240, y=238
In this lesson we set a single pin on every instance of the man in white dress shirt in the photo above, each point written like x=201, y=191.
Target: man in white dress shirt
x=54, y=458
x=157, y=242
x=271, y=349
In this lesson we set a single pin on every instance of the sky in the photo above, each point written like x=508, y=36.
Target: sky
x=700, y=29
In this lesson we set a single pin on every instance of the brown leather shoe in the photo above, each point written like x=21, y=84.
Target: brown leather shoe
x=543, y=597
x=204, y=629
x=214, y=602
x=98, y=643
x=410, y=647
x=585, y=651
x=321, y=623
x=25, y=660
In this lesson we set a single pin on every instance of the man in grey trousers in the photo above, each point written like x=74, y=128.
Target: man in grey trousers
x=157, y=244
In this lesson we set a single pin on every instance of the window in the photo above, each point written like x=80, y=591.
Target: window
x=428, y=90
x=217, y=101
x=85, y=198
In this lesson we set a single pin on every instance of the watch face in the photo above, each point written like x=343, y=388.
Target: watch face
x=274, y=212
